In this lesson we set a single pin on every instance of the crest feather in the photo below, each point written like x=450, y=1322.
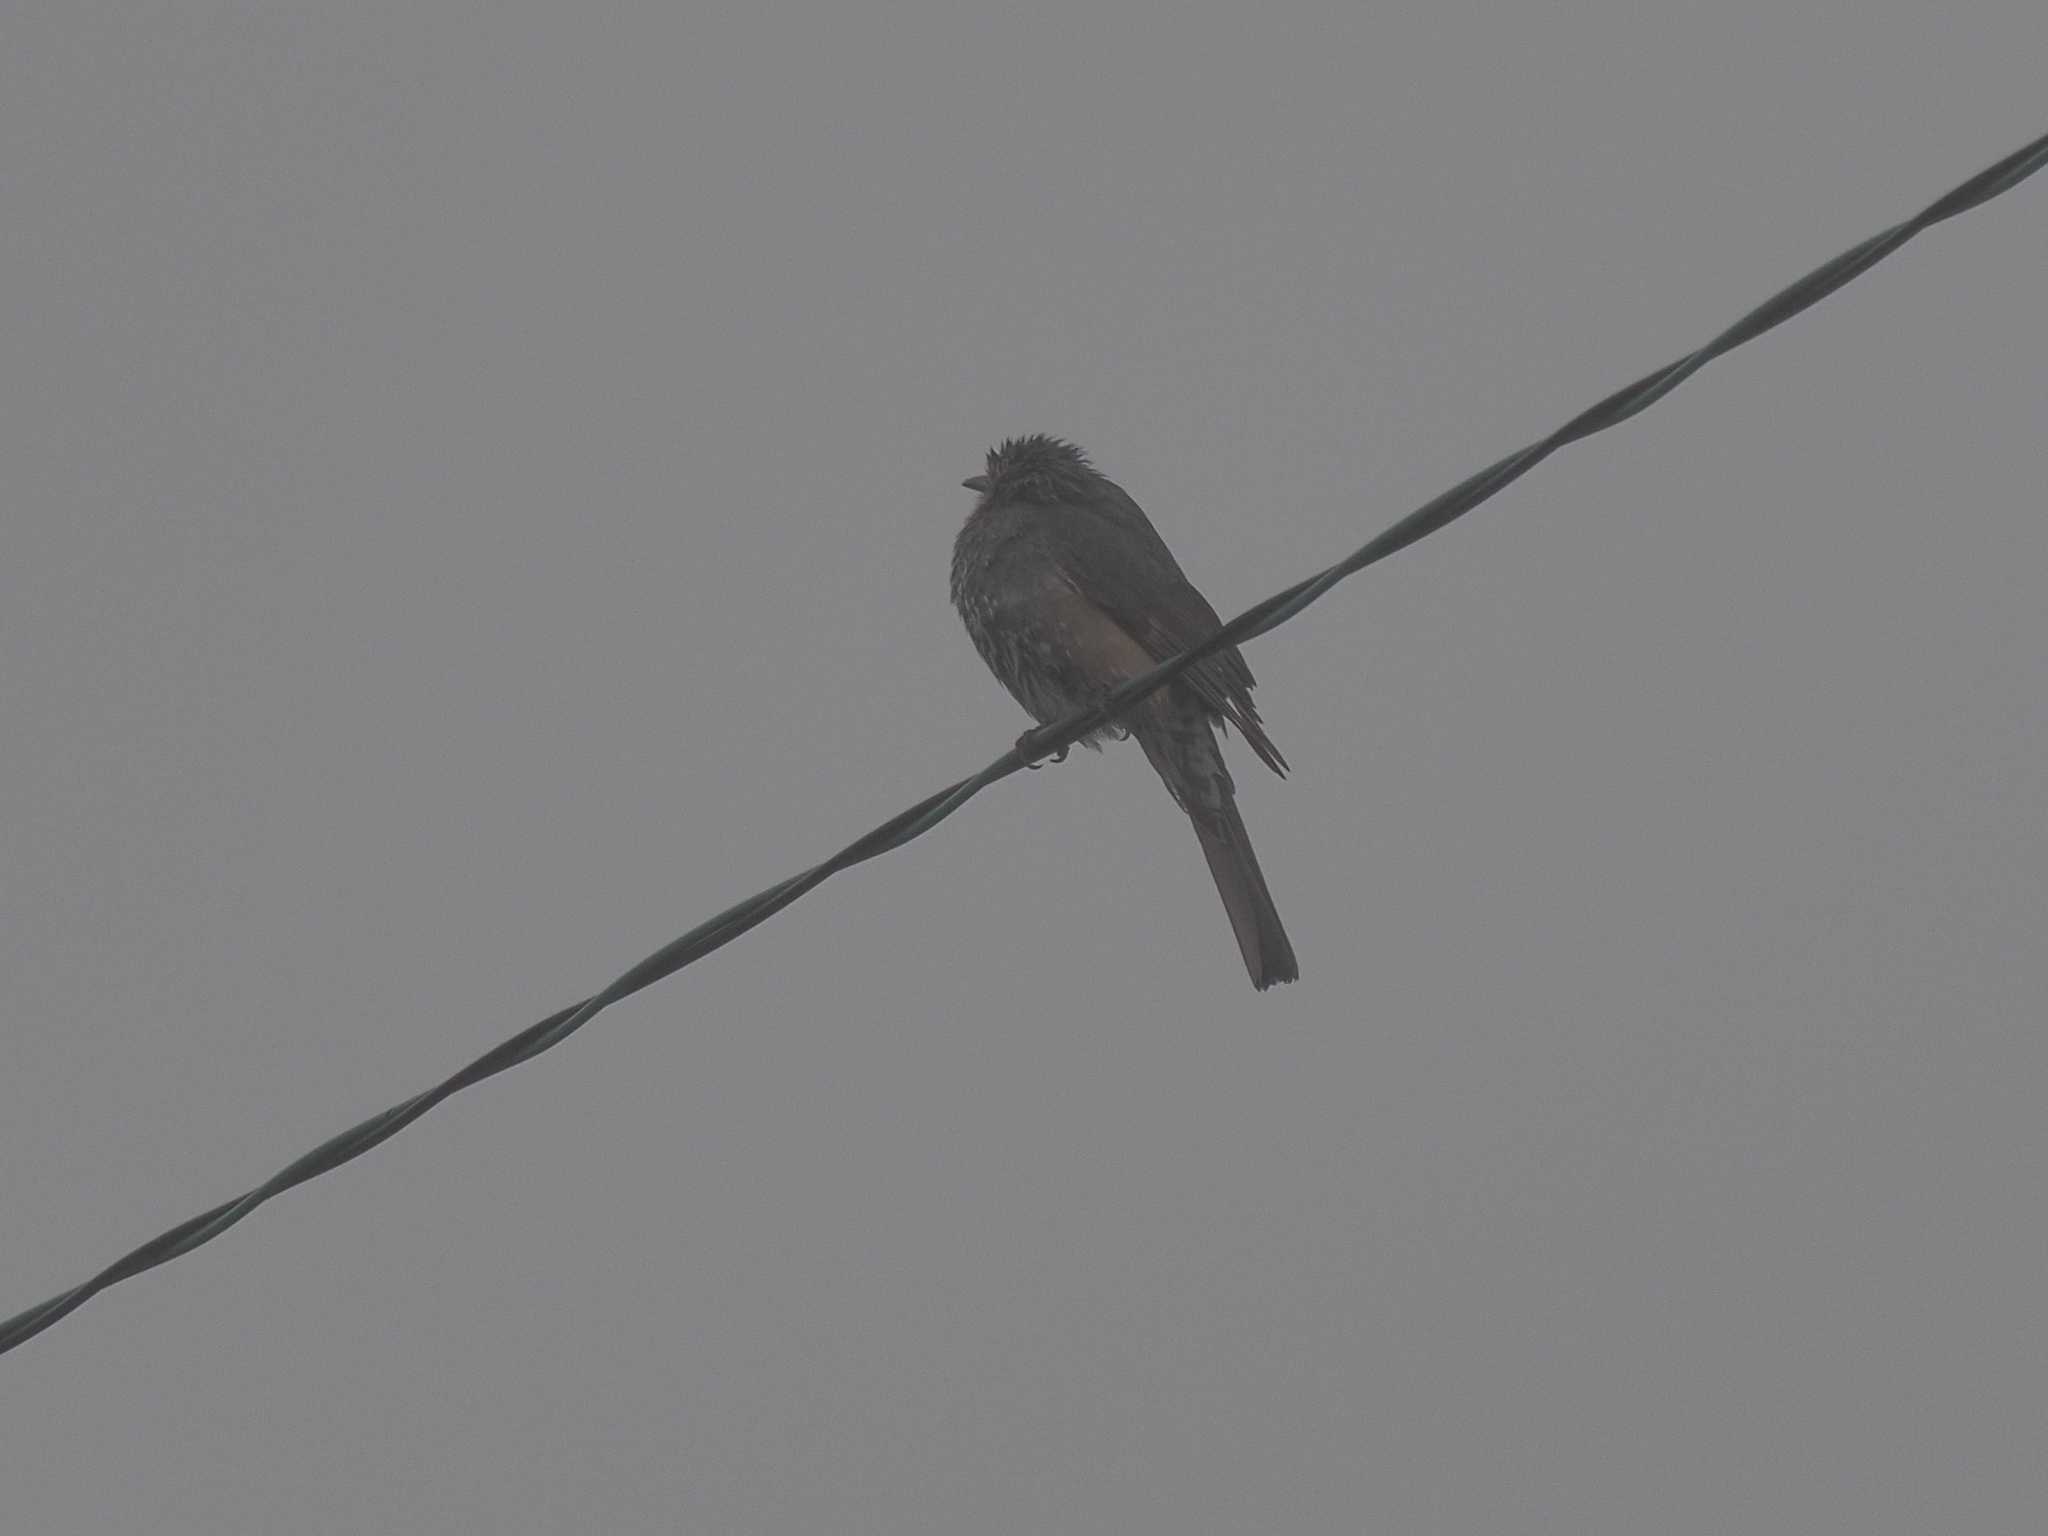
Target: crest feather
x=1039, y=468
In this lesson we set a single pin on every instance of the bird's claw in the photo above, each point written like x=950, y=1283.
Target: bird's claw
x=1024, y=746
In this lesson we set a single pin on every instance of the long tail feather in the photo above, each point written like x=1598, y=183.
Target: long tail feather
x=1182, y=748
x=1268, y=956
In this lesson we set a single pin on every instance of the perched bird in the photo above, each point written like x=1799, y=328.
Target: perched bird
x=1068, y=590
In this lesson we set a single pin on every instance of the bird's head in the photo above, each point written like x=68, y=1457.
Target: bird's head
x=1036, y=469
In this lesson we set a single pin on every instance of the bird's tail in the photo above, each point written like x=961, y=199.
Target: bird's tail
x=1267, y=954
x=1185, y=755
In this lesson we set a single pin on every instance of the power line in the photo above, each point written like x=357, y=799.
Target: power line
x=928, y=813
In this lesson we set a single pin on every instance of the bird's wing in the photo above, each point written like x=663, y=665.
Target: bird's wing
x=1116, y=560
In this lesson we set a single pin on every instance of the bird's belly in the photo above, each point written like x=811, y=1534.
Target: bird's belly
x=1048, y=649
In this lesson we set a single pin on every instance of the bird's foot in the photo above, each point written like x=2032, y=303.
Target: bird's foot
x=1029, y=740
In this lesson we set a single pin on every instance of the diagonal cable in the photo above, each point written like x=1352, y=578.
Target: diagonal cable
x=928, y=813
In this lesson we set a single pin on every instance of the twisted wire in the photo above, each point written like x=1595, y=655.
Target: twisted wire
x=919, y=819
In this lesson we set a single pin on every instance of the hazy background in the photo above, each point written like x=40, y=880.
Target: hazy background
x=477, y=486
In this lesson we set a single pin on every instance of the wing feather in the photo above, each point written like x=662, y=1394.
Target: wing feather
x=1111, y=554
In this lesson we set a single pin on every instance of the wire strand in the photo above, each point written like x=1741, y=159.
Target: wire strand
x=928, y=813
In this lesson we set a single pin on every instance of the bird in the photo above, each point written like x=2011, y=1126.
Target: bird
x=1067, y=590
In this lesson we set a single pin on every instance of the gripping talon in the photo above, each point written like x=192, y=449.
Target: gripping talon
x=1024, y=743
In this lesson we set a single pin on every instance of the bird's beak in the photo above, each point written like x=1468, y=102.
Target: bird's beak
x=977, y=484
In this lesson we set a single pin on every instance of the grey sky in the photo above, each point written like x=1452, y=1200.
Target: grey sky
x=478, y=483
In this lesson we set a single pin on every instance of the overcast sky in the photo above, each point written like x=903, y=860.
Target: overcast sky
x=476, y=488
